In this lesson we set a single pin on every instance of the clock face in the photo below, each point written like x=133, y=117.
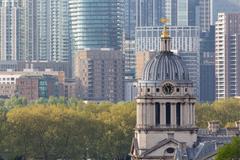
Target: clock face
x=168, y=88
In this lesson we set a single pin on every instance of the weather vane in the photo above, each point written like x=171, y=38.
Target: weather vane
x=165, y=33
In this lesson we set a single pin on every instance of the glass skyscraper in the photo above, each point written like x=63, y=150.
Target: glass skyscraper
x=179, y=12
x=96, y=23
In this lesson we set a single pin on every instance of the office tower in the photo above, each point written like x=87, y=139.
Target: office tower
x=226, y=6
x=129, y=38
x=179, y=12
x=185, y=42
x=100, y=74
x=207, y=65
x=148, y=12
x=9, y=30
x=205, y=9
x=96, y=23
x=41, y=31
x=227, y=53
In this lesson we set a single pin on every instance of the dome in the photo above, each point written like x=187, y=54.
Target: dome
x=165, y=66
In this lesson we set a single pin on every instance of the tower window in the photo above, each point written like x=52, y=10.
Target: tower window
x=178, y=90
x=178, y=114
x=148, y=90
x=168, y=114
x=157, y=89
x=157, y=114
x=185, y=89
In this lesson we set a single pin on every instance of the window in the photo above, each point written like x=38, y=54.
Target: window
x=168, y=114
x=157, y=89
x=148, y=90
x=178, y=114
x=157, y=113
x=178, y=90
x=170, y=150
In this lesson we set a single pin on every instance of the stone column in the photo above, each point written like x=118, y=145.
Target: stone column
x=193, y=113
x=173, y=114
x=190, y=114
x=162, y=114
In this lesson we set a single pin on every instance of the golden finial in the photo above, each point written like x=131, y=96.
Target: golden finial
x=165, y=33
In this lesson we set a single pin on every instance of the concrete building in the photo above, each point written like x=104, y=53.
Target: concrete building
x=100, y=74
x=37, y=66
x=227, y=51
x=9, y=30
x=70, y=88
x=33, y=87
x=96, y=24
x=185, y=42
x=8, y=81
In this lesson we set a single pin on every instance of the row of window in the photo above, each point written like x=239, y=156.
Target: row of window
x=158, y=90
x=168, y=114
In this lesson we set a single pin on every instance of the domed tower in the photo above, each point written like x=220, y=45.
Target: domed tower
x=165, y=107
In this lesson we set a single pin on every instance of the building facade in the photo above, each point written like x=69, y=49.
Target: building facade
x=9, y=30
x=181, y=13
x=227, y=51
x=35, y=87
x=36, y=30
x=100, y=75
x=96, y=24
x=207, y=65
x=129, y=38
x=9, y=87
x=185, y=42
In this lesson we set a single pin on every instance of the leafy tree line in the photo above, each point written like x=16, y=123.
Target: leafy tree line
x=57, y=128
x=227, y=111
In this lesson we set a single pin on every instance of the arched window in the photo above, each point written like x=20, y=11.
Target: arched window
x=157, y=113
x=168, y=114
x=178, y=114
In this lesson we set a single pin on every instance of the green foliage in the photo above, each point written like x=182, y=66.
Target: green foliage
x=230, y=151
x=66, y=129
x=226, y=111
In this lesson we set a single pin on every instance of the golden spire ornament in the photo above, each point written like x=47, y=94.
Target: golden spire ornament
x=165, y=32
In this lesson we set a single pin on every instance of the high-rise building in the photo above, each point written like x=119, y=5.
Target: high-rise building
x=9, y=30
x=209, y=9
x=207, y=65
x=38, y=29
x=226, y=6
x=100, y=74
x=53, y=34
x=205, y=9
x=96, y=23
x=185, y=42
x=227, y=51
x=179, y=12
x=129, y=38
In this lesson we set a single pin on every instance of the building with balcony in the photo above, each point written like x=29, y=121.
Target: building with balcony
x=100, y=75
x=227, y=51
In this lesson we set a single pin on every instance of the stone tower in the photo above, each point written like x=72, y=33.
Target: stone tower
x=165, y=107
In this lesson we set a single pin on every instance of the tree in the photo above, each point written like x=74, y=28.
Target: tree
x=229, y=151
